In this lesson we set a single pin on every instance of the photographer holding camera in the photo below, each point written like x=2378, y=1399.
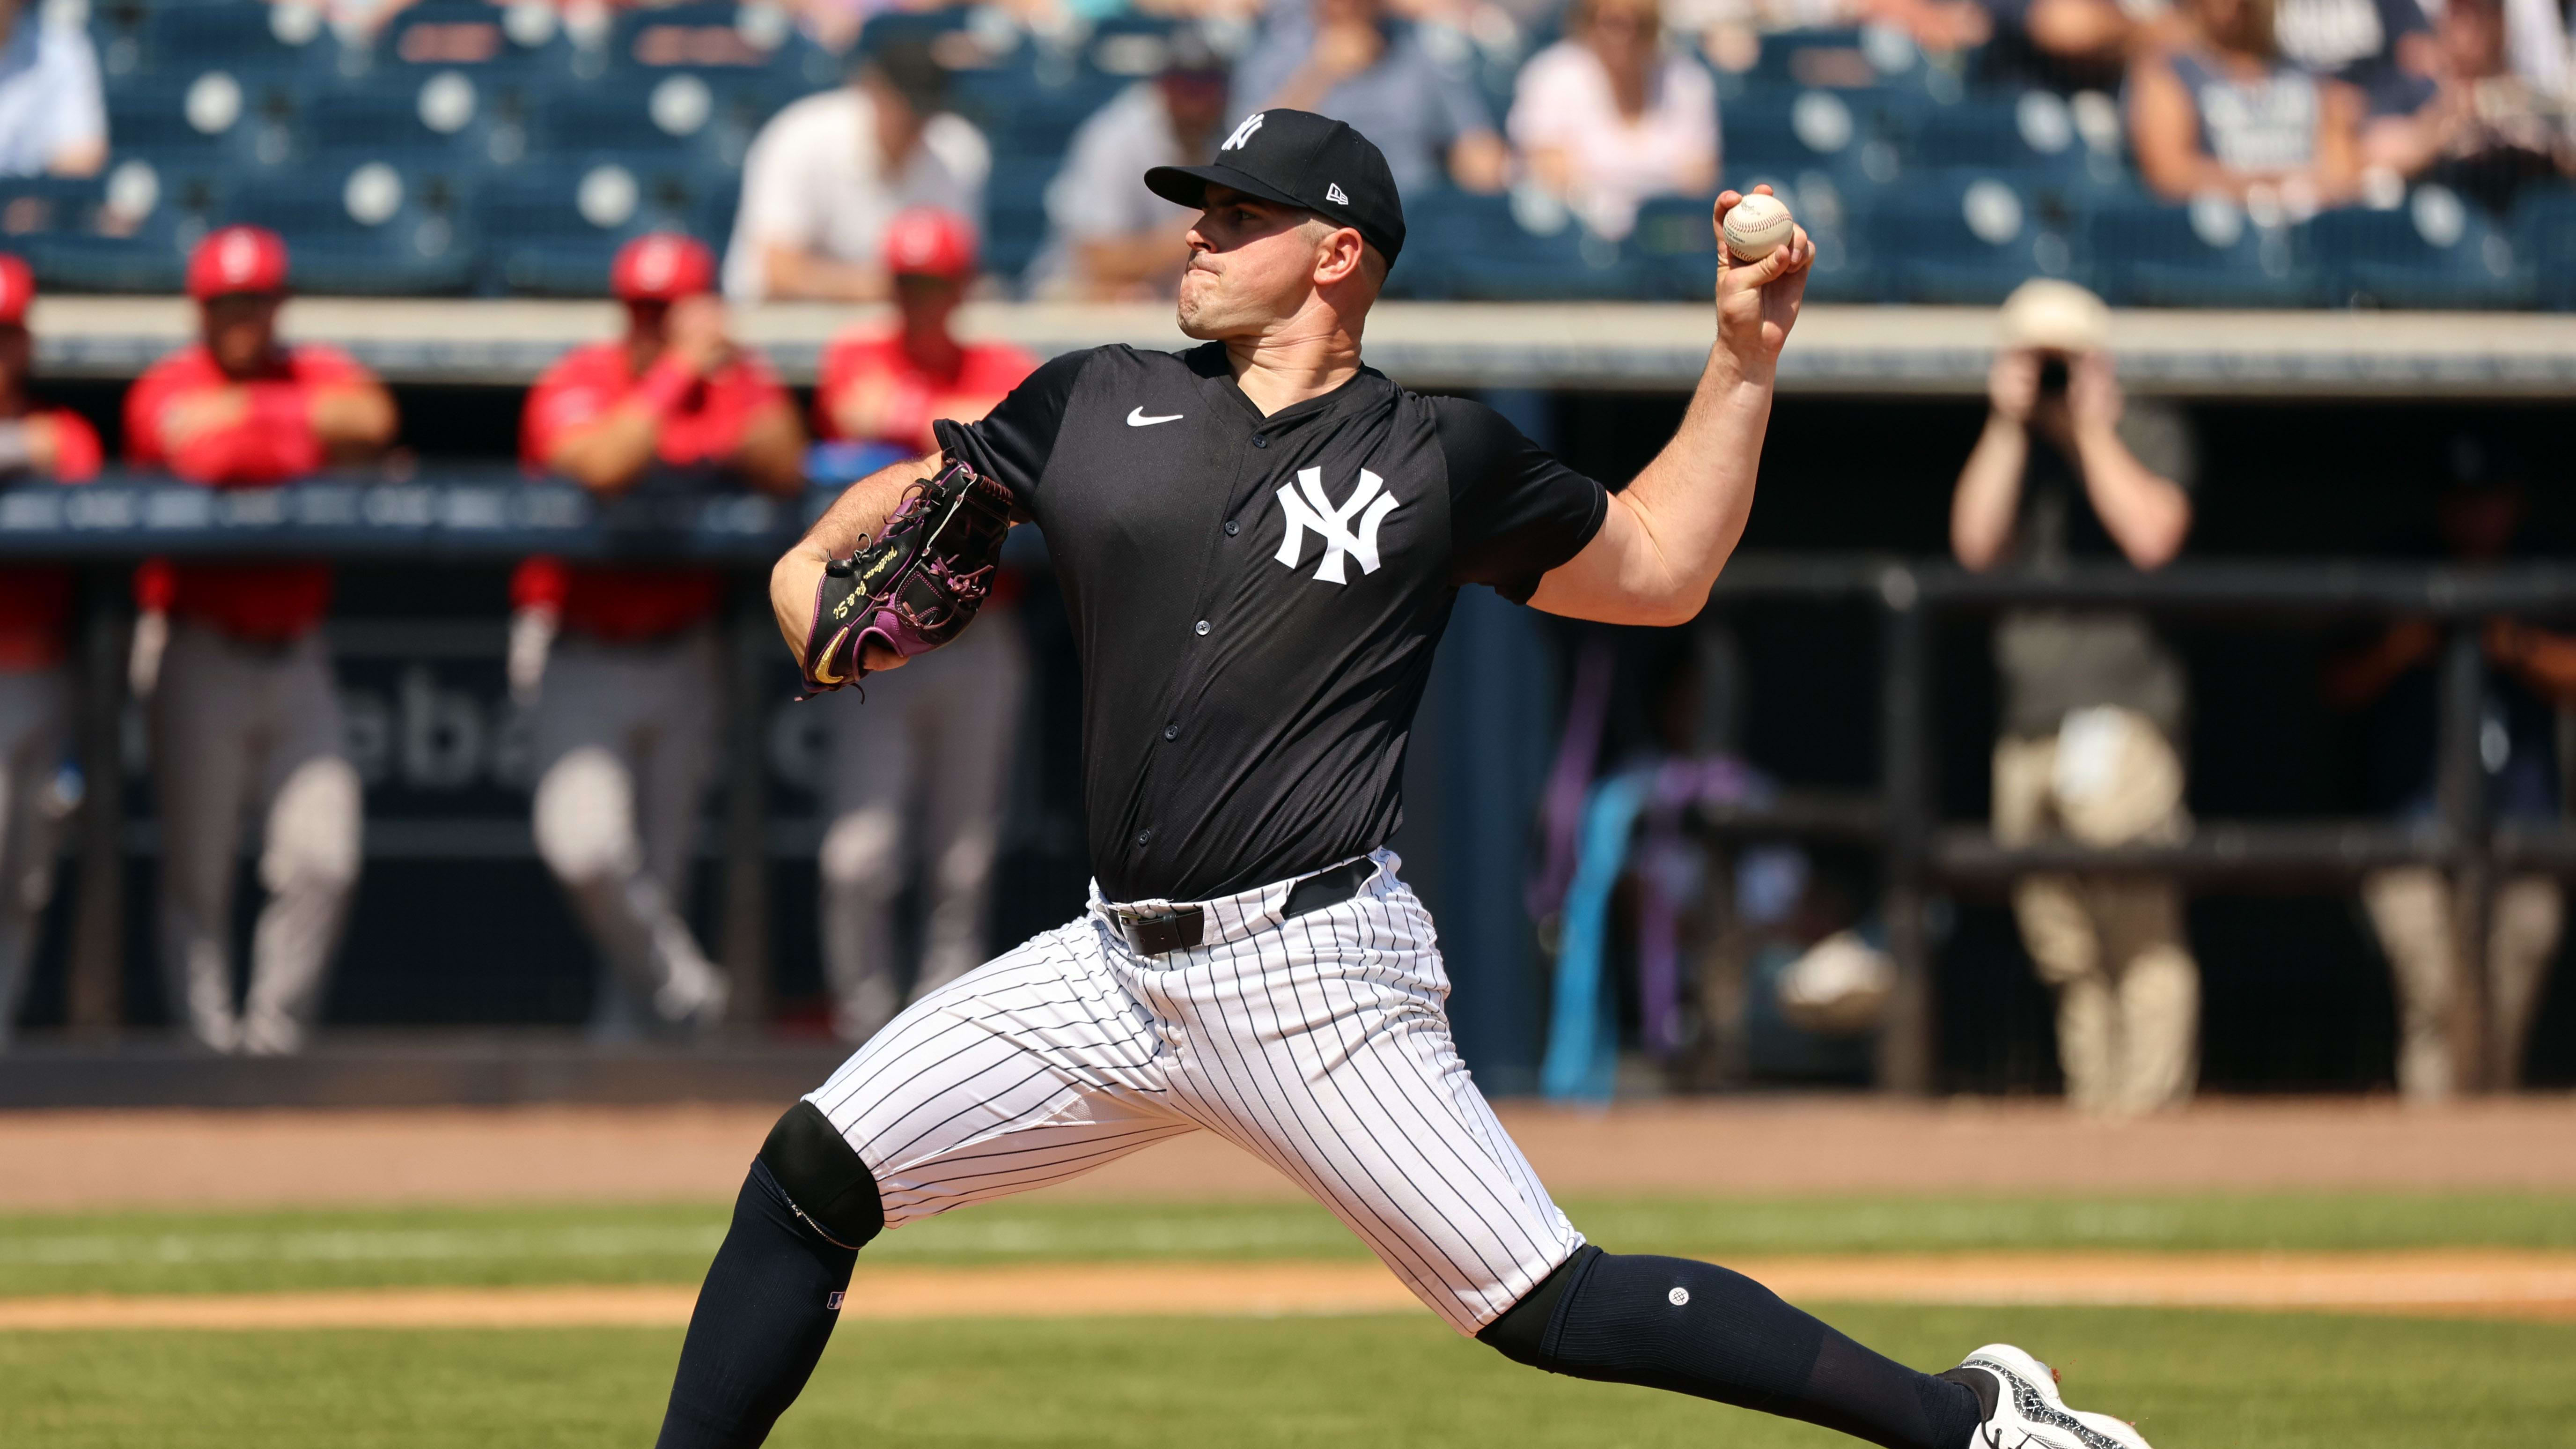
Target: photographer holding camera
x=2093, y=701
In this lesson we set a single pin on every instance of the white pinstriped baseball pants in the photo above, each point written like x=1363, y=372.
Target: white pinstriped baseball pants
x=1320, y=1045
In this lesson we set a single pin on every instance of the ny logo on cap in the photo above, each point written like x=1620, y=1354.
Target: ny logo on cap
x=1315, y=513
x=1333, y=194
x=1243, y=132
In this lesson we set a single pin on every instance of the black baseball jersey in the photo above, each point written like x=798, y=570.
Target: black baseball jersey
x=1255, y=599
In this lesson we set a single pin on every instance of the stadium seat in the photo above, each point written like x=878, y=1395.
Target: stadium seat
x=441, y=119
x=48, y=205
x=1015, y=220
x=1517, y=248
x=1842, y=58
x=727, y=45
x=505, y=51
x=1787, y=132
x=268, y=39
x=551, y=229
x=2147, y=253
x=242, y=122
x=2544, y=231
x=1964, y=238
x=678, y=114
x=2436, y=250
x=2035, y=134
x=135, y=240
x=373, y=228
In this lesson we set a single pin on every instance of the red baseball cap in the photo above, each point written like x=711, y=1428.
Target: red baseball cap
x=662, y=266
x=237, y=259
x=17, y=289
x=925, y=241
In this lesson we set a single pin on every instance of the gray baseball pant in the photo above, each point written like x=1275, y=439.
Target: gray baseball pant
x=625, y=736
x=239, y=725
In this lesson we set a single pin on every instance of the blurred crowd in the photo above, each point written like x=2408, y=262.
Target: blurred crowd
x=2281, y=107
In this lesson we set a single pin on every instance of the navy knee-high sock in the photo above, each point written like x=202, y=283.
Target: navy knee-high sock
x=762, y=1319
x=1695, y=1328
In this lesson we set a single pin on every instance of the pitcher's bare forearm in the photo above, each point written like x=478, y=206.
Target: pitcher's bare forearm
x=858, y=513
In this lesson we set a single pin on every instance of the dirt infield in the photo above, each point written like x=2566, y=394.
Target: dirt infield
x=2539, y=1286
x=66, y=1160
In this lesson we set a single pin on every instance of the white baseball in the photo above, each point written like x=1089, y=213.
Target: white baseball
x=1758, y=226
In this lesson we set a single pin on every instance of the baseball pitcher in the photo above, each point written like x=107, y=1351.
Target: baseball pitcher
x=1260, y=540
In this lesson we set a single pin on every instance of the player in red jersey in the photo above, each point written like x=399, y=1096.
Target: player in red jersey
x=626, y=703
x=946, y=722
x=231, y=656
x=39, y=446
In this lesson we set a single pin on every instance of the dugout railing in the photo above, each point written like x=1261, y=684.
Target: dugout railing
x=1923, y=853
x=497, y=517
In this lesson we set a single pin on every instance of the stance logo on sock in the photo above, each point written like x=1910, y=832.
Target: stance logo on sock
x=832, y=1303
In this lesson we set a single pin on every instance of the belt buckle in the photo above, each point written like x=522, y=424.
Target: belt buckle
x=1157, y=933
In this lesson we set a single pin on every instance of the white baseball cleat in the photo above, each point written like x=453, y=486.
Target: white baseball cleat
x=2029, y=1414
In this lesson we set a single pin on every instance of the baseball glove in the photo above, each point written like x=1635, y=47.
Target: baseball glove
x=916, y=585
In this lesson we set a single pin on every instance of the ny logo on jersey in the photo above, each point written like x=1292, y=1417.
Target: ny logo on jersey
x=1309, y=510
x=1243, y=133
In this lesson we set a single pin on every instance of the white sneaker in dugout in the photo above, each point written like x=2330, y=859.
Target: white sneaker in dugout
x=2030, y=1415
x=266, y=1034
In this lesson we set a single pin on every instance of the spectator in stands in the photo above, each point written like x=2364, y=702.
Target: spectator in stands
x=627, y=702
x=2381, y=48
x=53, y=120
x=2224, y=112
x=1348, y=60
x=935, y=737
x=2530, y=676
x=1606, y=117
x=2488, y=130
x=1109, y=238
x=826, y=174
x=230, y=656
x=2067, y=471
x=2074, y=45
x=39, y=446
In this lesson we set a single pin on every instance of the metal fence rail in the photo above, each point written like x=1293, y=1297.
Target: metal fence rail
x=497, y=516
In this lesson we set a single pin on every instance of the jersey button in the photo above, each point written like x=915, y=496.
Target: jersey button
x=1259, y=441
x=1171, y=732
x=1232, y=528
x=1144, y=836
x=1202, y=627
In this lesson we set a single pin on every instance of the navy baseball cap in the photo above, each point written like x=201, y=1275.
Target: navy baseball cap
x=1299, y=159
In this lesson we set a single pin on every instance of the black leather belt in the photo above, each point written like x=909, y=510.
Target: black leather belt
x=1153, y=933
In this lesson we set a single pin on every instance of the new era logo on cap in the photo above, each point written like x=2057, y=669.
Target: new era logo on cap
x=1300, y=159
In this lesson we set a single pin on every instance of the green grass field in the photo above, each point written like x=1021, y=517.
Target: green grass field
x=253, y=1252
x=2194, y=1380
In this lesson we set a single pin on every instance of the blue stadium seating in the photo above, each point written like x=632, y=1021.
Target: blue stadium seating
x=376, y=228
x=491, y=118
x=442, y=120
x=2436, y=250
x=1015, y=221
x=2544, y=231
x=1963, y=238
x=552, y=229
x=210, y=115
x=2208, y=254
x=1478, y=248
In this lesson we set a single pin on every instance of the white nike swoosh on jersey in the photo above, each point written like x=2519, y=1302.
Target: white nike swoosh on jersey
x=1136, y=418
